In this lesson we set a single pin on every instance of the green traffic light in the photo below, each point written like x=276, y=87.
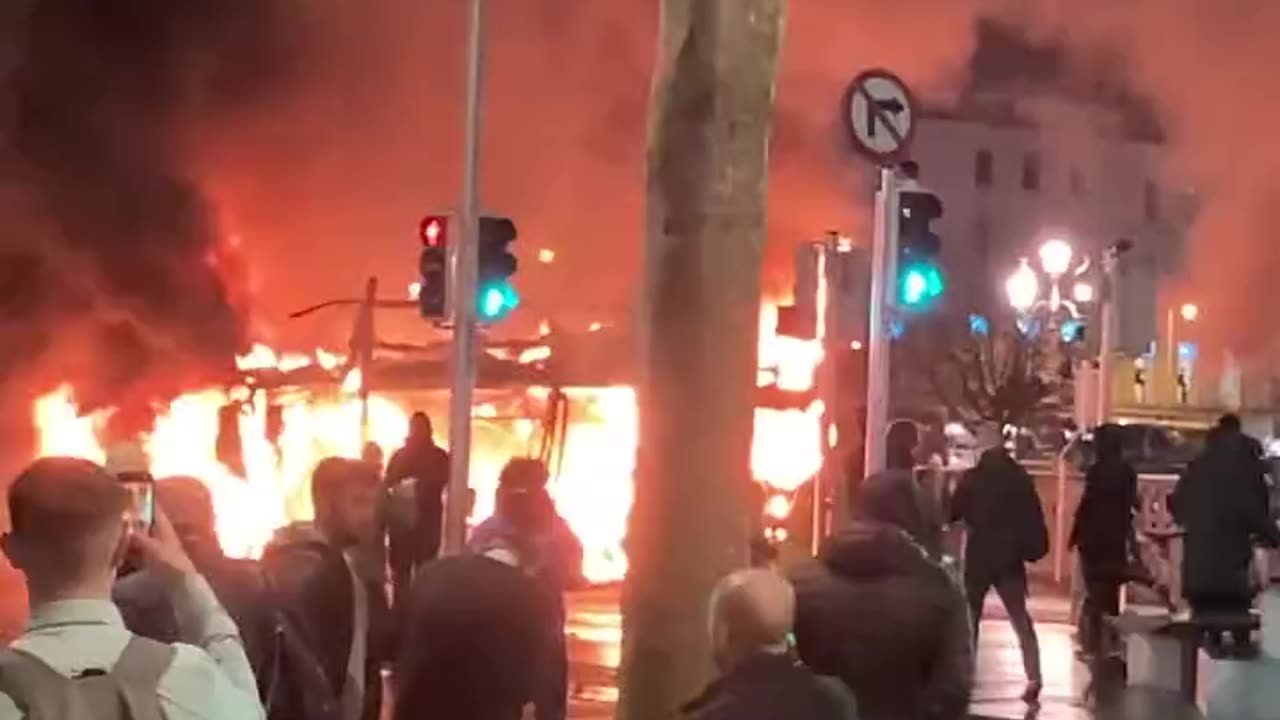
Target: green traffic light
x=497, y=300
x=919, y=284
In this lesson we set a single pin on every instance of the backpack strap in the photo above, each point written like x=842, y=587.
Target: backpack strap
x=137, y=675
x=36, y=688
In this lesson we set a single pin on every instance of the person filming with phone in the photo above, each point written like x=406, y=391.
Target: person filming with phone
x=71, y=528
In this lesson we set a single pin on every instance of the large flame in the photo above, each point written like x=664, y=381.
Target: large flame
x=592, y=483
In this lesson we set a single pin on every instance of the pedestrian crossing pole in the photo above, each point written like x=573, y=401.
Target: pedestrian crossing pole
x=463, y=264
x=884, y=260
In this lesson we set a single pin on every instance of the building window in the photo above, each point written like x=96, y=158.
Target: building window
x=983, y=169
x=1075, y=181
x=1151, y=202
x=1031, y=172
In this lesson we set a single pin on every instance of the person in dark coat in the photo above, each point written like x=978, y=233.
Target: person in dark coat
x=556, y=560
x=1216, y=503
x=879, y=612
x=324, y=590
x=479, y=627
x=417, y=476
x=752, y=613
x=1001, y=512
x=143, y=598
x=920, y=515
x=1102, y=532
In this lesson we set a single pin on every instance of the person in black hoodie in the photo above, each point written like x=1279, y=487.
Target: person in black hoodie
x=416, y=478
x=1102, y=533
x=480, y=628
x=1217, y=502
x=998, y=504
x=752, y=613
x=877, y=611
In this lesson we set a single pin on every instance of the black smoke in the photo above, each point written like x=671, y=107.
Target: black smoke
x=114, y=265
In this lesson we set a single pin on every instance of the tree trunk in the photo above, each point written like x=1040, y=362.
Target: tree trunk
x=707, y=171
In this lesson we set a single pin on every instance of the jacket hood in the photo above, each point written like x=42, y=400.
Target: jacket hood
x=874, y=550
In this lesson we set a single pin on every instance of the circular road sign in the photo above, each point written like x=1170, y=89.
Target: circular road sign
x=879, y=114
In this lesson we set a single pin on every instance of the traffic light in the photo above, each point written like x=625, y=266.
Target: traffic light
x=496, y=296
x=920, y=278
x=433, y=266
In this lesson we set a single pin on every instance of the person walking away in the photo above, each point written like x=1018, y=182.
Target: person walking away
x=145, y=604
x=416, y=479
x=1216, y=503
x=479, y=628
x=998, y=505
x=1103, y=532
x=556, y=560
x=752, y=615
x=877, y=611
x=333, y=613
x=76, y=659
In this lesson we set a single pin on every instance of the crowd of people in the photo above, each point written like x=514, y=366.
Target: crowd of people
x=879, y=626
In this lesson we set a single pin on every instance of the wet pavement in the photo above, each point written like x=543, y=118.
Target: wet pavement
x=595, y=633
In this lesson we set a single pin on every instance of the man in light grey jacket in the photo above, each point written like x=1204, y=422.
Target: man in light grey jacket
x=69, y=537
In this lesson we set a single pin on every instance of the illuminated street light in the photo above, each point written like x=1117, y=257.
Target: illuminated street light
x=1082, y=292
x=546, y=256
x=1023, y=287
x=1190, y=311
x=1055, y=257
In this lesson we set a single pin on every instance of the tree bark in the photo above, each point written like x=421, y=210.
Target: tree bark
x=706, y=182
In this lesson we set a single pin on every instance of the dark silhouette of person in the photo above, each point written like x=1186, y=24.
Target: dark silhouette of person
x=1217, y=502
x=998, y=504
x=913, y=507
x=1102, y=531
x=479, y=628
x=417, y=476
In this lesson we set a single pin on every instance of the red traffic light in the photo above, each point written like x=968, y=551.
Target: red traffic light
x=433, y=230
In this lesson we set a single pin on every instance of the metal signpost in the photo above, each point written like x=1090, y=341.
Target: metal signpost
x=880, y=117
x=462, y=286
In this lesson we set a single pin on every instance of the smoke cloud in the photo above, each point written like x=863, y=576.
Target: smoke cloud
x=166, y=166
x=1207, y=68
x=116, y=275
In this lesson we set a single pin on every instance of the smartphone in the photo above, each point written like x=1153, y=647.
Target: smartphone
x=141, y=513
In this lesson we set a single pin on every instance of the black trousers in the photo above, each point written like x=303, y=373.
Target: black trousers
x=1101, y=600
x=1012, y=589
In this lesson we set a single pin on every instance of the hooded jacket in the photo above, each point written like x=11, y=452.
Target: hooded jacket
x=1217, y=502
x=876, y=612
x=998, y=504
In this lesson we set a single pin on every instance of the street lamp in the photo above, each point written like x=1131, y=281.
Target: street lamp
x=1190, y=312
x=1023, y=287
x=1057, y=260
x=1055, y=257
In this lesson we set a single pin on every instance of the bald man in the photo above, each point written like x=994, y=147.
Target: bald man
x=752, y=613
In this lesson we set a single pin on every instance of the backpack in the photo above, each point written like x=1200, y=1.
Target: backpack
x=127, y=691
x=1036, y=540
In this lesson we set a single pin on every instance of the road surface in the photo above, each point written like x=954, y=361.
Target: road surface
x=595, y=634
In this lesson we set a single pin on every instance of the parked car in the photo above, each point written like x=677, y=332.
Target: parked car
x=1149, y=448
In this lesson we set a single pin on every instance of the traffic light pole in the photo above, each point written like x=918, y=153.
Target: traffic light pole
x=884, y=259
x=463, y=288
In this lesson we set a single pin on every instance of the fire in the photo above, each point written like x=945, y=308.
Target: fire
x=283, y=435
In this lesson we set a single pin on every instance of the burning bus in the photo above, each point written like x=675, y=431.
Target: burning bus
x=566, y=400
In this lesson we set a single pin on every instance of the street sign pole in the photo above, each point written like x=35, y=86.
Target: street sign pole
x=880, y=117
x=884, y=254
x=1107, y=341
x=463, y=287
